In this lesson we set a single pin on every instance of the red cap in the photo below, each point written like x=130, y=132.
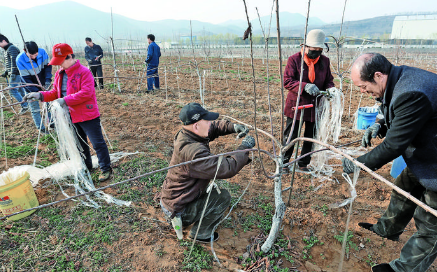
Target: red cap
x=60, y=52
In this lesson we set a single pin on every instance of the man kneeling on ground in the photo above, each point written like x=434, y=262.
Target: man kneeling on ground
x=184, y=190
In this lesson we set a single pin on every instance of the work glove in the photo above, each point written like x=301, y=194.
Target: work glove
x=371, y=132
x=248, y=142
x=5, y=74
x=47, y=85
x=329, y=92
x=61, y=102
x=34, y=96
x=348, y=166
x=312, y=89
x=242, y=130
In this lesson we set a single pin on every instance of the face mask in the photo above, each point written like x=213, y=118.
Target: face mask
x=314, y=54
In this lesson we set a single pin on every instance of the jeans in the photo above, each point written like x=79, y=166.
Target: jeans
x=420, y=251
x=36, y=114
x=93, y=130
x=97, y=71
x=17, y=93
x=152, y=77
x=306, y=147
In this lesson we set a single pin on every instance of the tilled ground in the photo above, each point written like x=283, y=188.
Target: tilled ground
x=68, y=237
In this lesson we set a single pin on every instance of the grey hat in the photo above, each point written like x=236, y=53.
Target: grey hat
x=193, y=112
x=316, y=38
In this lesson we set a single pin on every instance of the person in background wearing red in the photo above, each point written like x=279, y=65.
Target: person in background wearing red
x=316, y=77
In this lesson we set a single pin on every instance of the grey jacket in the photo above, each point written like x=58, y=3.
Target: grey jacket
x=409, y=125
x=11, y=53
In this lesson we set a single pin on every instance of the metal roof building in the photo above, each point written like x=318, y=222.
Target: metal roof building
x=415, y=27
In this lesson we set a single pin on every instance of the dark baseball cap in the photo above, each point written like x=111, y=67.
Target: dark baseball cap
x=193, y=112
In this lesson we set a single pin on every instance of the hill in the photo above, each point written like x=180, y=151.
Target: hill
x=47, y=26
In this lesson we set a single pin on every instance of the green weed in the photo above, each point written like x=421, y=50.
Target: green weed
x=199, y=259
x=369, y=260
x=349, y=242
x=310, y=242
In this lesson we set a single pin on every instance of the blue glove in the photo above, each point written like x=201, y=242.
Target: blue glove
x=371, y=132
x=348, y=166
x=312, y=89
x=248, y=142
x=242, y=130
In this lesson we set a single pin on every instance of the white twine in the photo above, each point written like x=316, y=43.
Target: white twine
x=328, y=126
x=69, y=150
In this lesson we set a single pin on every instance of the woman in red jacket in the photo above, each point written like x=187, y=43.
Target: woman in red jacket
x=74, y=86
x=316, y=77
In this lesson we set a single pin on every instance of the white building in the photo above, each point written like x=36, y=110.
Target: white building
x=415, y=27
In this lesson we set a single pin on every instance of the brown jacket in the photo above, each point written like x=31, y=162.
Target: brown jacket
x=186, y=183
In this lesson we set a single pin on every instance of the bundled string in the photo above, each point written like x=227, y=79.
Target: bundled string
x=71, y=162
x=328, y=126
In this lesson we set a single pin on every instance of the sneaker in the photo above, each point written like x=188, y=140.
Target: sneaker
x=304, y=169
x=44, y=131
x=207, y=240
x=105, y=175
x=23, y=110
x=384, y=267
x=368, y=226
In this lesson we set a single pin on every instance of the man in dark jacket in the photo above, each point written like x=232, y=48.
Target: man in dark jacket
x=152, y=60
x=11, y=71
x=409, y=105
x=93, y=54
x=38, y=59
x=184, y=190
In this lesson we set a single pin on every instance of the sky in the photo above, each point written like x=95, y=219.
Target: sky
x=218, y=11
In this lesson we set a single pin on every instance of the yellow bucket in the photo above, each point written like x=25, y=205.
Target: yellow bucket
x=16, y=195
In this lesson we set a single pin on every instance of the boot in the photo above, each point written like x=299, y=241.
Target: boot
x=385, y=267
x=368, y=226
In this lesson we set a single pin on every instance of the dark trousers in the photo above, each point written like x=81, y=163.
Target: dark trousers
x=152, y=77
x=97, y=72
x=420, y=251
x=217, y=205
x=307, y=146
x=93, y=130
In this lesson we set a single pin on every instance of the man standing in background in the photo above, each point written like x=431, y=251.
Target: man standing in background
x=93, y=54
x=11, y=71
x=152, y=60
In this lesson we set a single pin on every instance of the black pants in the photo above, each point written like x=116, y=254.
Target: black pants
x=97, y=72
x=93, y=130
x=307, y=146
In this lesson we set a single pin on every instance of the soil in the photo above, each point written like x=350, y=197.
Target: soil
x=136, y=121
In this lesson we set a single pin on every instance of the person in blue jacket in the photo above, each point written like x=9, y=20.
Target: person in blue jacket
x=40, y=61
x=152, y=60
